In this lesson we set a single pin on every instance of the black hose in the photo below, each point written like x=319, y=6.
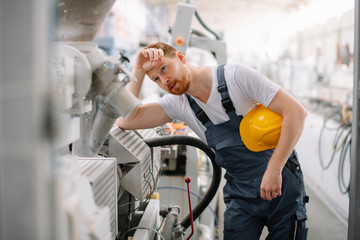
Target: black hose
x=205, y=26
x=346, y=148
x=198, y=33
x=336, y=139
x=339, y=143
x=216, y=177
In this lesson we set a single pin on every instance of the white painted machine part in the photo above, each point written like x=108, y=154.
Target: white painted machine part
x=78, y=208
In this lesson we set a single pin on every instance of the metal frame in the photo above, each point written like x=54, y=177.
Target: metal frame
x=182, y=26
x=147, y=227
x=182, y=29
x=354, y=208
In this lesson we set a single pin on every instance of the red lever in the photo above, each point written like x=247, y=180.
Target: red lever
x=188, y=180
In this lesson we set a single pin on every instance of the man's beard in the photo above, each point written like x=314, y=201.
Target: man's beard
x=181, y=85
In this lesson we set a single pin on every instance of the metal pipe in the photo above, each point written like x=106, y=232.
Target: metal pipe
x=80, y=146
x=122, y=104
x=171, y=220
x=115, y=101
x=103, y=122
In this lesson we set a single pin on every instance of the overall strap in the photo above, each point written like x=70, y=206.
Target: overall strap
x=222, y=89
x=199, y=113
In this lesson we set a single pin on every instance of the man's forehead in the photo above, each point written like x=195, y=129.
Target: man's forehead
x=152, y=72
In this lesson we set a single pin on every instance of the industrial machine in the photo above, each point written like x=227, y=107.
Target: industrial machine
x=183, y=36
x=106, y=177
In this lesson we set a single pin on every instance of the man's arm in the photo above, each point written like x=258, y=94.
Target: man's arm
x=292, y=126
x=145, y=60
x=149, y=115
x=135, y=87
x=145, y=116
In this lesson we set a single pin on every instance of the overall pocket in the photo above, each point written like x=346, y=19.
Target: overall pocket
x=241, y=189
x=294, y=166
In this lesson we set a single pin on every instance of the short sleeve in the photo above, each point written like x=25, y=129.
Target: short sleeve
x=255, y=85
x=171, y=105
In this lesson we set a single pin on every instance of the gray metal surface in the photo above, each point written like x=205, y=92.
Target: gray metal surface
x=149, y=222
x=354, y=209
x=102, y=175
x=26, y=194
x=182, y=29
x=155, y=152
x=127, y=146
x=131, y=151
x=182, y=26
x=81, y=20
x=216, y=46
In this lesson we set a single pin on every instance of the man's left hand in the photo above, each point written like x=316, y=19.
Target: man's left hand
x=270, y=187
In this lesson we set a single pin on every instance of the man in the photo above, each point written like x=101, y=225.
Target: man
x=263, y=188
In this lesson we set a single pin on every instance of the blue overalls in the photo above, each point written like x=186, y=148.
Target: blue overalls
x=246, y=212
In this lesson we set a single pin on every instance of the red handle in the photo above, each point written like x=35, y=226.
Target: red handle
x=188, y=180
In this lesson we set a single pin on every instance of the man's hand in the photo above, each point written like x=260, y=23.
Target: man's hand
x=147, y=59
x=294, y=115
x=270, y=187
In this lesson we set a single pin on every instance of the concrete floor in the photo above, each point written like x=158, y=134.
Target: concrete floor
x=322, y=222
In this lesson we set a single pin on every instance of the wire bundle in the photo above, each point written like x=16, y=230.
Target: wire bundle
x=341, y=142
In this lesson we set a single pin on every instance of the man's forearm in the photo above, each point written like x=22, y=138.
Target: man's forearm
x=294, y=115
x=291, y=131
x=124, y=123
x=135, y=87
x=292, y=126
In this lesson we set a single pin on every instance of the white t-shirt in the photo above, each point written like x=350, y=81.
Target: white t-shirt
x=246, y=87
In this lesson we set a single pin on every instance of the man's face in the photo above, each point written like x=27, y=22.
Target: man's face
x=171, y=74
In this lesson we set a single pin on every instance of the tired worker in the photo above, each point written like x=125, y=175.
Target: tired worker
x=263, y=187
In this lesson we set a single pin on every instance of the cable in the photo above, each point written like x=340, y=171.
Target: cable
x=198, y=33
x=340, y=143
x=344, y=188
x=142, y=204
x=158, y=175
x=152, y=190
x=162, y=222
x=147, y=200
x=215, y=181
x=125, y=204
x=153, y=178
x=119, y=173
x=196, y=195
x=336, y=147
x=146, y=228
x=128, y=220
x=197, y=15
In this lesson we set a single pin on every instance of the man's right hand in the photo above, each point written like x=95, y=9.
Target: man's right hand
x=147, y=58
x=148, y=115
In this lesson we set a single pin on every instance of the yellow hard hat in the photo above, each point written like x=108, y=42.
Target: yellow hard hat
x=260, y=129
